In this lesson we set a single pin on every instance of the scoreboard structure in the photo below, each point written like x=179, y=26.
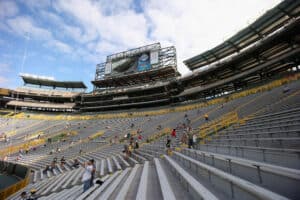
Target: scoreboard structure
x=140, y=65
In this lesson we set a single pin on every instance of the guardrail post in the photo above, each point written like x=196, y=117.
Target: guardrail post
x=232, y=190
x=229, y=165
x=258, y=173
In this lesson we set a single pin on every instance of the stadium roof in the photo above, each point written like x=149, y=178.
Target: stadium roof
x=34, y=80
x=266, y=24
x=272, y=56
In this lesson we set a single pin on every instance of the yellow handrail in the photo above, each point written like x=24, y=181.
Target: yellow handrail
x=214, y=126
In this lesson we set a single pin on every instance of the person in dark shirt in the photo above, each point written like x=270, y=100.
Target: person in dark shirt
x=93, y=171
x=168, y=145
x=76, y=163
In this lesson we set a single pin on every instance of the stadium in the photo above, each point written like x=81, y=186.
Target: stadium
x=229, y=130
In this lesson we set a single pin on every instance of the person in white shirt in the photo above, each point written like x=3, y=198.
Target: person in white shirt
x=87, y=175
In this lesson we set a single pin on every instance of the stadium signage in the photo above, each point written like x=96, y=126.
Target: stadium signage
x=133, y=52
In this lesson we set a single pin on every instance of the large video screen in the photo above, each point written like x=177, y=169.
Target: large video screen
x=137, y=63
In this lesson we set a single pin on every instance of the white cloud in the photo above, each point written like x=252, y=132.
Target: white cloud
x=102, y=23
x=8, y=8
x=36, y=4
x=23, y=25
x=194, y=26
x=63, y=47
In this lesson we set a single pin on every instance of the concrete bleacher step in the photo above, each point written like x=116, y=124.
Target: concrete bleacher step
x=222, y=181
x=72, y=193
x=267, y=134
x=151, y=152
x=97, y=164
x=124, y=190
x=109, y=165
x=95, y=191
x=60, y=170
x=279, y=156
x=138, y=157
x=53, y=186
x=263, y=174
x=102, y=167
x=67, y=166
x=108, y=193
x=35, y=176
x=166, y=189
x=142, y=189
x=74, y=173
x=132, y=161
x=145, y=155
x=48, y=174
x=116, y=163
x=194, y=186
x=78, y=177
x=278, y=142
x=65, y=177
x=124, y=162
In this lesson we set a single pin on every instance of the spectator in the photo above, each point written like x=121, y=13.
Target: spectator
x=76, y=163
x=33, y=195
x=24, y=195
x=130, y=148
x=126, y=151
x=190, y=135
x=159, y=127
x=131, y=140
x=46, y=169
x=139, y=131
x=168, y=145
x=206, y=117
x=184, y=138
x=62, y=161
x=53, y=166
x=140, y=137
x=173, y=133
x=93, y=171
x=136, y=144
x=87, y=175
x=194, y=139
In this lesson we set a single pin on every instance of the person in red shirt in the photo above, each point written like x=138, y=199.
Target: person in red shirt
x=173, y=133
x=140, y=137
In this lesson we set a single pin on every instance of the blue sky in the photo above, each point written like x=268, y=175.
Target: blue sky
x=65, y=39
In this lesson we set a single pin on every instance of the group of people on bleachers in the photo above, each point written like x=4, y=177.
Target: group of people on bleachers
x=133, y=143
x=54, y=163
x=188, y=137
